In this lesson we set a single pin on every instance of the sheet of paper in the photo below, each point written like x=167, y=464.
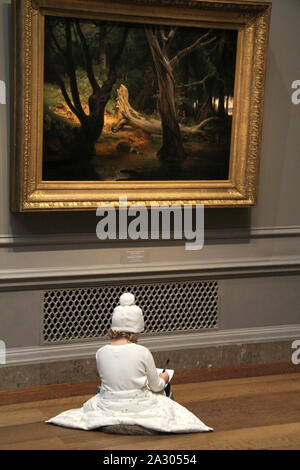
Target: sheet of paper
x=170, y=372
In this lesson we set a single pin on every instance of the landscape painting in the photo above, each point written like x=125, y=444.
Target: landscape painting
x=136, y=102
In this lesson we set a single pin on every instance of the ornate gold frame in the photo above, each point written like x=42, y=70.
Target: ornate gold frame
x=30, y=193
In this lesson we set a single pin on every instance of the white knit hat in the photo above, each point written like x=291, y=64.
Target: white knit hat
x=127, y=316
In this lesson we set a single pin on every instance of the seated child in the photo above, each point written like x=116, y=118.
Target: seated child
x=131, y=399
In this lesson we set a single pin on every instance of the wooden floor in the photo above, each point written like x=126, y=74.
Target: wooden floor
x=246, y=413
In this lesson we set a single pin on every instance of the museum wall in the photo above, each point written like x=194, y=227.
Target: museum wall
x=253, y=253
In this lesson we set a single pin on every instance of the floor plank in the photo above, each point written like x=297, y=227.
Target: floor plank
x=246, y=413
x=38, y=444
x=45, y=392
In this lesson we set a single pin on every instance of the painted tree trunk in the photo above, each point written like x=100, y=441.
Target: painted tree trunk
x=172, y=148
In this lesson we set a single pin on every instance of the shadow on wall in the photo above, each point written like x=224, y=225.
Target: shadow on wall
x=66, y=230
x=276, y=146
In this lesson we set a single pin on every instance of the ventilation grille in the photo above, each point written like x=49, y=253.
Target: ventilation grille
x=80, y=314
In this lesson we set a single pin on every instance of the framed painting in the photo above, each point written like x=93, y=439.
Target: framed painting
x=160, y=101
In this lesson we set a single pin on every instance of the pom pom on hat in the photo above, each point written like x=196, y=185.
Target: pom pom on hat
x=127, y=316
x=127, y=299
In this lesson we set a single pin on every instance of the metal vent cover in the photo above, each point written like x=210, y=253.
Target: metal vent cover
x=71, y=315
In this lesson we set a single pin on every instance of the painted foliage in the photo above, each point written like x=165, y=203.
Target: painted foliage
x=134, y=102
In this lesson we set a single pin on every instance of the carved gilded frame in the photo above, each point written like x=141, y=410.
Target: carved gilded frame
x=30, y=193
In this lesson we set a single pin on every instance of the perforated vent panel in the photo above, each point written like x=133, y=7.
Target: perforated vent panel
x=80, y=314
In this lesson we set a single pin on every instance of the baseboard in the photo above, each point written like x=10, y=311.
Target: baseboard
x=48, y=392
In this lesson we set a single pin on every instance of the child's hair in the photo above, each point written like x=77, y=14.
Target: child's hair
x=132, y=337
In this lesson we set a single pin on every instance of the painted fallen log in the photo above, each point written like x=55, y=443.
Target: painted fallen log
x=129, y=116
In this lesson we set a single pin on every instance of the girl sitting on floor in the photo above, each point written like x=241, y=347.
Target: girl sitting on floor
x=131, y=399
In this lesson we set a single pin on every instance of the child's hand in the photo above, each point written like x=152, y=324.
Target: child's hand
x=165, y=376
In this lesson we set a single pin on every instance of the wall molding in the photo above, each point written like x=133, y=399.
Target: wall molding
x=7, y=240
x=187, y=340
x=120, y=271
x=59, y=277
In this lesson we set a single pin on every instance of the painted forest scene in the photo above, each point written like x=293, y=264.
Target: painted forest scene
x=136, y=102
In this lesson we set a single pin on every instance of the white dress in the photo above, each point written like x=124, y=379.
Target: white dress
x=131, y=394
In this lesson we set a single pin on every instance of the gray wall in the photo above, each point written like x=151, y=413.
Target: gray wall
x=253, y=252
